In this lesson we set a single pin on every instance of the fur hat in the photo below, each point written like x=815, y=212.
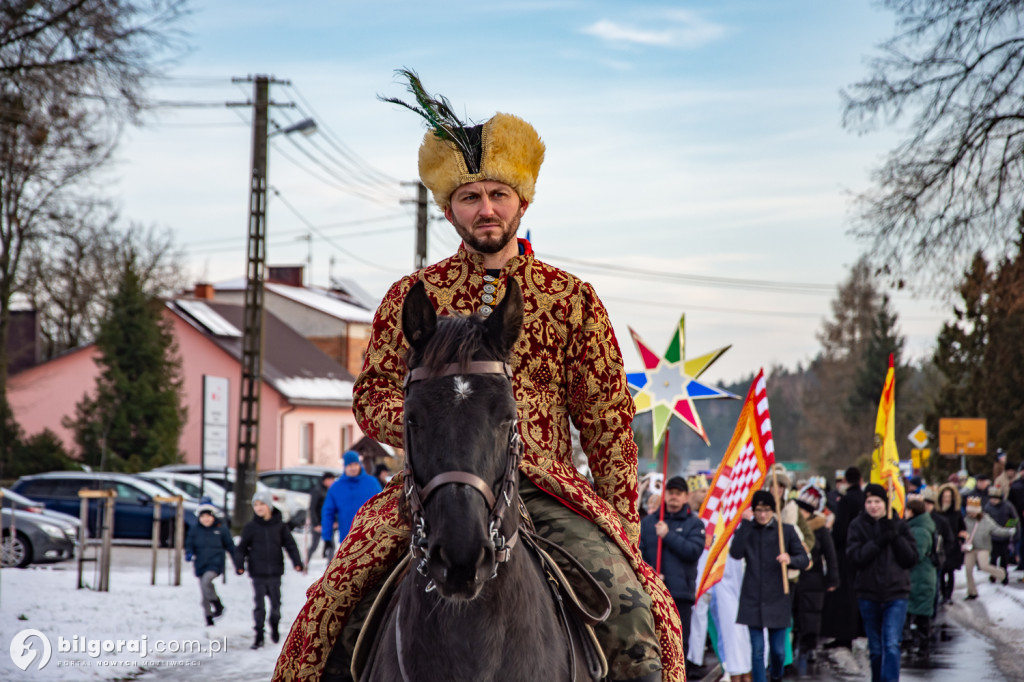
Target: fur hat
x=995, y=491
x=928, y=495
x=507, y=149
x=973, y=505
x=781, y=477
x=954, y=490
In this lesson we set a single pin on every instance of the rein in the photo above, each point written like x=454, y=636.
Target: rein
x=497, y=504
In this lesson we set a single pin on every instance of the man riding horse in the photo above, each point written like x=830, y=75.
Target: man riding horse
x=566, y=365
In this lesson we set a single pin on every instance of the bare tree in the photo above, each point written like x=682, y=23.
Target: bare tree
x=68, y=280
x=71, y=73
x=955, y=69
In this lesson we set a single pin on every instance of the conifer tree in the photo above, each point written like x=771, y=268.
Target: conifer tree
x=134, y=419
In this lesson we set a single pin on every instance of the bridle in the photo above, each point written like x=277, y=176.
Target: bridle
x=497, y=504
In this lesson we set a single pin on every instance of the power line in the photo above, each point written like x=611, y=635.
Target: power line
x=336, y=142
x=238, y=244
x=330, y=241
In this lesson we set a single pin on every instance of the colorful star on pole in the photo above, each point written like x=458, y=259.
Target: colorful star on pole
x=668, y=385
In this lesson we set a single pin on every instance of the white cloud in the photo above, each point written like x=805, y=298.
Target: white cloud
x=679, y=29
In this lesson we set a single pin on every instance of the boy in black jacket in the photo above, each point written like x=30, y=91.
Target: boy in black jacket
x=205, y=545
x=263, y=540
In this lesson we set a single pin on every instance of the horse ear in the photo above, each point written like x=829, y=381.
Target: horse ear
x=419, y=321
x=506, y=322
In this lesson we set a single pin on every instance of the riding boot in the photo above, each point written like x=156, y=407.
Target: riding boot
x=258, y=642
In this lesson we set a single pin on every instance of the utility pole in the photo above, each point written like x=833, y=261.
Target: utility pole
x=255, y=274
x=420, y=259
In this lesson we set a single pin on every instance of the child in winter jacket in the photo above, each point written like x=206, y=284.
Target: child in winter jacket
x=263, y=540
x=206, y=545
x=978, y=544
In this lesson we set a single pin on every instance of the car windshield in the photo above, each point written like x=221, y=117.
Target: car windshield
x=170, y=488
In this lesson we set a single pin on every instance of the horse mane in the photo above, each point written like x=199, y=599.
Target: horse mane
x=458, y=339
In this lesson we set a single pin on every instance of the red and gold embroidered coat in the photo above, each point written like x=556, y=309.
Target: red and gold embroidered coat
x=567, y=365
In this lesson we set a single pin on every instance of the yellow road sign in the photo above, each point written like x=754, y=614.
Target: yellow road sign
x=919, y=437
x=963, y=436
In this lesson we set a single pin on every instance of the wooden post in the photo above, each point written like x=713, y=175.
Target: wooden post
x=782, y=541
x=108, y=538
x=179, y=539
x=83, y=536
x=178, y=534
x=154, y=540
x=105, y=521
x=661, y=507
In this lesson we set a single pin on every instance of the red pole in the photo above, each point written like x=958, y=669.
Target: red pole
x=661, y=508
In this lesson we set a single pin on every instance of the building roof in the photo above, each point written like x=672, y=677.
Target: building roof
x=311, y=297
x=291, y=363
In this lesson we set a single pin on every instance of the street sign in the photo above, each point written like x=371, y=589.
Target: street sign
x=215, y=422
x=963, y=436
x=919, y=437
x=920, y=457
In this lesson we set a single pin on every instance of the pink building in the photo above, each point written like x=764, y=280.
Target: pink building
x=305, y=403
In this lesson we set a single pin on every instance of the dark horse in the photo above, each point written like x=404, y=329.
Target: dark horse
x=475, y=604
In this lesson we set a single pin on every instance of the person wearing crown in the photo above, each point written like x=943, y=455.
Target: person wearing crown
x=567, y=370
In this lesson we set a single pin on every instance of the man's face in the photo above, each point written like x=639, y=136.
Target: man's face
x=982, y=484
x=763, y=514
x=485, y=214
x=675, y=499
x=875, y=506
x=352, y=470
x=995, y=500
x=328, y=481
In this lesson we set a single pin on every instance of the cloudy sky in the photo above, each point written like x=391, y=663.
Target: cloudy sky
x=695, y=159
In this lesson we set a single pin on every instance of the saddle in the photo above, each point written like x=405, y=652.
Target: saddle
x=579, y=600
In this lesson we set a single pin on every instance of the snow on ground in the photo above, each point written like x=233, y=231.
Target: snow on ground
x=44, y=598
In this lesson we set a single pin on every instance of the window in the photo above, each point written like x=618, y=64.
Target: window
x=306, y=443
x=346, y=440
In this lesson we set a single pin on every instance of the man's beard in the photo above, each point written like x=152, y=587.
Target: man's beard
x=488, y=244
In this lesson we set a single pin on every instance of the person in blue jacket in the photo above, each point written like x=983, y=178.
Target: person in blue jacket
x=344, y=498
x=206, y=544
x=682, y=542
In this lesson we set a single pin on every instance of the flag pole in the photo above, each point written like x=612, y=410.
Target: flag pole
x=661, y=507
x=889, y=490
x=782, y=542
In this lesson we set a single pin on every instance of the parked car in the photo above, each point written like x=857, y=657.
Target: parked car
x=280, y=498
x=298, y=481
x=30, y=537
x=196, y=488
x=12, y=500
x=133, y=505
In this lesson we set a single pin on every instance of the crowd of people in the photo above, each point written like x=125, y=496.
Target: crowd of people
x=813, y=567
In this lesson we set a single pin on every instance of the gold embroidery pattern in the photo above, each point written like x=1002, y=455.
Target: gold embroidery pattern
x=567, y=365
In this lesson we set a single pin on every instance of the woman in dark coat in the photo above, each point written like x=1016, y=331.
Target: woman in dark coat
x=821, y=577
x=949, y=507
x=763, y=603
x=842, y=616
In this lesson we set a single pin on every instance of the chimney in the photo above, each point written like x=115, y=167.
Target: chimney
x=292, y=275
x=204, y=291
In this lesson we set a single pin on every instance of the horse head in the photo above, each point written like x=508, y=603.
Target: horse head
x=461, y=441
